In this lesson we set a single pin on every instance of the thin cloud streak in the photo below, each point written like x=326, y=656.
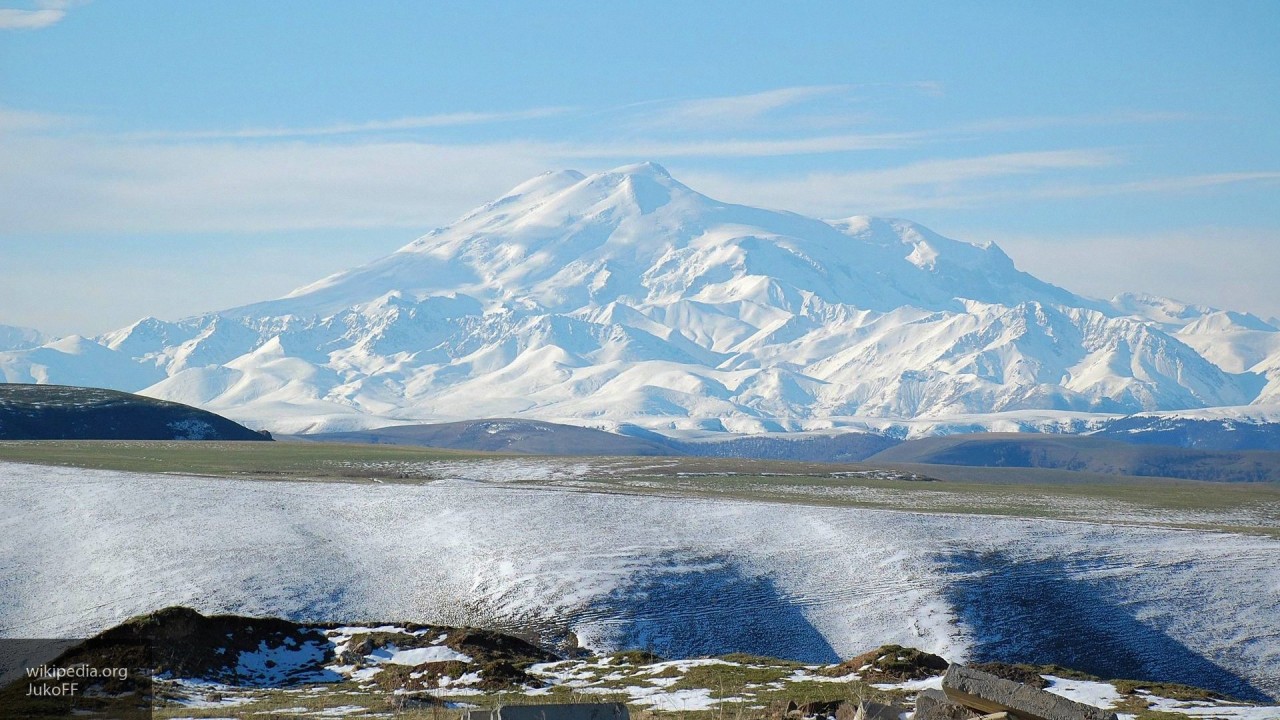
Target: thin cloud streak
x=79, y=184
x=1218, y=266
x=55, y=185
x=260, y=179
x=1178, y=184
x=743, y=148
x=46, y=14
x=737, y=108
x=374, y=126
x=928, y=184
x=1018, y=124
x=807, y=105
x=25, y=121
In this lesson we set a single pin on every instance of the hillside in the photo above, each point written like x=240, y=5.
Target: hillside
x=20, y=338
x=268, y=666
x=693, y=558
x=526, y=437
x=57, y=412
x=1223, y=433
x=1086, y=454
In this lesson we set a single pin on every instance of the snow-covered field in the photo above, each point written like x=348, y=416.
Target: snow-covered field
x=81, y=550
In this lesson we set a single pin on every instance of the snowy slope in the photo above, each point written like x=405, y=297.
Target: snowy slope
x=20, y=338
x=1242, y=343
x=84, y=549
x=76, y=360
x=626, y=296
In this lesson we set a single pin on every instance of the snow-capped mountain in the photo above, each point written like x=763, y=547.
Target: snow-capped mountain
x=20, y=338
x=626, y=296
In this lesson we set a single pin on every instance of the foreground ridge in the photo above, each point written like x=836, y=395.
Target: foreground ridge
x=250, y=667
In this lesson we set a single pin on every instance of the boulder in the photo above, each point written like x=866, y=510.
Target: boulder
x=990, y=694
x=815, y=708
x=934, y=705
x=891, y=664
x=867, y=710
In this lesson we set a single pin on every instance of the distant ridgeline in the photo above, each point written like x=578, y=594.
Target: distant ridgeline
x=59, y=412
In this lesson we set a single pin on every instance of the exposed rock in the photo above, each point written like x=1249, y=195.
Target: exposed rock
x=934, y=705
x=867, y=710
x=248, y=652
x=990, y=694
x=815, y=709
x=892, y=664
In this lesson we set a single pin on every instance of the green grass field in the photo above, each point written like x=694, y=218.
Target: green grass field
x=1052, y=494
x=229, y=459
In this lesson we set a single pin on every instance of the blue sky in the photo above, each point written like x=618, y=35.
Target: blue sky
x=162, y=158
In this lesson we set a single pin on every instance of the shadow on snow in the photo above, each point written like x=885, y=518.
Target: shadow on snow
x=1043, y=612
x=709, y=606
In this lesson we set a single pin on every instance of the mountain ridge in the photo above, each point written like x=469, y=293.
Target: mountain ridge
x=627, y=297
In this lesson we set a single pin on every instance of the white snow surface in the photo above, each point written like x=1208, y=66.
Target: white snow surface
x=82, y=550
x=20, y=338
x=1216, y=711
x=416, y=656
x=626, y=296
x=1097, y=694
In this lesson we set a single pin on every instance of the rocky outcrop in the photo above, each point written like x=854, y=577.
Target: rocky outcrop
x=935, y=705
x=990, y=694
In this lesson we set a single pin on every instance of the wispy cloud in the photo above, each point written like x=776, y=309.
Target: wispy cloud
x=364, y=174
x=987, y=166
x=779, y=108
x=25, y=121
x=1175, y=184
x=951, y=182
x=959, y=183
x=82, y=184
x=419, y=122
x=1213, y=265
x=1017, y=124
x=46, y=13
x=739, y=108
x=742, y=148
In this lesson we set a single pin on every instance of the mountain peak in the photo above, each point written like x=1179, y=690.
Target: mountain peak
x=626, y=295
x=548, y=182
x=647, y=168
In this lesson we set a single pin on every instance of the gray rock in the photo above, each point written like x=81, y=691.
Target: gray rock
x=817, y=708
x=989, y=694
x=933, y=705
x=867, y=710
